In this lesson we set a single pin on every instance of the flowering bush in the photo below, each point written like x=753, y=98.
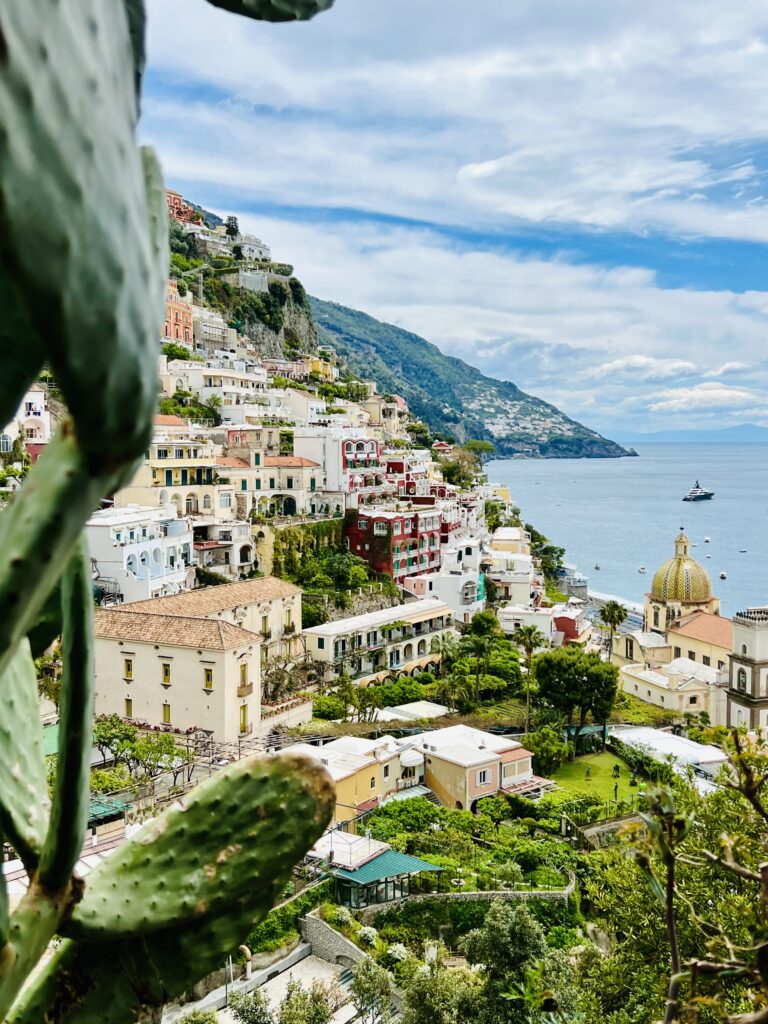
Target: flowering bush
x=368, y=935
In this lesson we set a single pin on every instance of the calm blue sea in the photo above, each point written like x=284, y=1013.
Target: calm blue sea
x=624, y=513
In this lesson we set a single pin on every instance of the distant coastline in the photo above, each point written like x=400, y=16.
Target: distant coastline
x=746, y=433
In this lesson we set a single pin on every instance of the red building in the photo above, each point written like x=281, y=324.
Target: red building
x=180, y=210
x=403, y=543
x=574, y=625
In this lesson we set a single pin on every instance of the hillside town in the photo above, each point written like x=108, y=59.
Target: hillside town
x=297, y=564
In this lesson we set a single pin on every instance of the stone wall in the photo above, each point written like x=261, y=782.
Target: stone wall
x=327, y=943
x=370, y=913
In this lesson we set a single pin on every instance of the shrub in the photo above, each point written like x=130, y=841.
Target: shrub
x=342, y=917
x=368, y=935
x=199, y=1017
x=329, y=708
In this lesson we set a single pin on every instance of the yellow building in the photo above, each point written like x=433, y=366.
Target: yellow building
x=681, y=586
x=684, y=686
x=704, y=638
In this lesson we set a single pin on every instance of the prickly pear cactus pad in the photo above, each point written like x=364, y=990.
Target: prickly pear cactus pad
x=275, y=10
x=83, y=269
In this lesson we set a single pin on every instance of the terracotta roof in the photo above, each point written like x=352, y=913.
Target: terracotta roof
x=230, y=460
x=210, y=600
x=171, y=630
x=162, y=420
x=515, y=755
x=710, y=629
x=290, y=461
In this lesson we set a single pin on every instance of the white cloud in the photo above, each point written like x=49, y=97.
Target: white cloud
x=709, y=397
x=725, y=369
x=641, y=368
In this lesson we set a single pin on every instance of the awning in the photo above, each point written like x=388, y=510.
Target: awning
x=411, y=758
x=387, y=865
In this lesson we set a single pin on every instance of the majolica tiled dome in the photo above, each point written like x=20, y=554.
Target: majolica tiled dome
x=681, y=578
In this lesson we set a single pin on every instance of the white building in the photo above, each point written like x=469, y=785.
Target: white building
x=138, y=552
x=748, y=692
x=679, y=752
x=681, y=687
x=370, y=647
x=458, y=582
x=32, y=421
x=512, y=617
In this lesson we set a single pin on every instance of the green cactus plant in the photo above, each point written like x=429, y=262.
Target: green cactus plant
x=83, y=235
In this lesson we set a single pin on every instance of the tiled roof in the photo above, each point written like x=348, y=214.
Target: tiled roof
x=710, y=629
x=171, y=630
x=210, y=600
x=231, y=461
x=289, y=461
x=162, y=420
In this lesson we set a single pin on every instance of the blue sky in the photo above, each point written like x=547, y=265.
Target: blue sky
x=571, y=196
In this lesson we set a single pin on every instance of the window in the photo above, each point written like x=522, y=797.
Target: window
x=166, y=674
x=128, y=668
x=289, y=483
x=678, y=652
x=373, y=782
x=244, y=674
x=271, y=483
x=208, y=679
x=166, y=714
x=264, y=623
x=243, y=718
x=693, y=700
x=321, y=643
x=178, y=453
x=128, y=707
x=743, y=648
x=706, y=660
x=721, y=665
x=162, y=453
x=257, y=458
x=692, y=655
x=258, y=485
x=225, y=500
x=630, y=649
x=396, y=527
x=362, y=524
x=243, y=485
x=386, y=771
x=655, y=616
x=741, y=679
x=483, y=777
x=206, y=501
x=380, y=528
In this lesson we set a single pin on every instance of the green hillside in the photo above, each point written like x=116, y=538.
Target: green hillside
x=451, y=396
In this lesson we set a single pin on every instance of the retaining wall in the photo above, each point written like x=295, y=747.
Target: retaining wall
x=327, y=943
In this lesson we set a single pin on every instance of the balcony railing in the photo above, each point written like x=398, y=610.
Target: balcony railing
x=266, y=634
x=406, y=784
x=290, y=629
x=245, y=690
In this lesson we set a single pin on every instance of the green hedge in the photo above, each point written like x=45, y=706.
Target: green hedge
x=282, y=923
x=640, y=761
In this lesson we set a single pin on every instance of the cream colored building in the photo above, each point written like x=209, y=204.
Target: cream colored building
x=704, y=638
x=182, y=472
x=370, y=647
x=268, y=606
x=512, y=538
x=179, y=673
x=681, y=687
x=748, y=693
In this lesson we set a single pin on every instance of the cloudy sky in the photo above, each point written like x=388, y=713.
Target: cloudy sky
x=569, y=195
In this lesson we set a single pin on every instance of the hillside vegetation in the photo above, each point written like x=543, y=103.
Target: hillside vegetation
x=449, y=395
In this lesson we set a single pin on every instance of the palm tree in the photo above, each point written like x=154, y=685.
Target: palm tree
x=613, y=615
x=478, y=647
x=530, y=639
x=447, y=646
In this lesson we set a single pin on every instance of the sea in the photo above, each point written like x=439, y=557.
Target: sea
x=622, y=514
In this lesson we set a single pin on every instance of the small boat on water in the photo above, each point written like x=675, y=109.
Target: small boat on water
x=742, y=551
x=642, y=569
x=597, y=566
x=698, y=493
x=706, y=540
x=723, y=576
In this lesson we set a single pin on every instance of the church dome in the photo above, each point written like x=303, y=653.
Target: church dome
x=681, y=578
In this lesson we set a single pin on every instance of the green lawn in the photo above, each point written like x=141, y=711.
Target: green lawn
x=572, y=776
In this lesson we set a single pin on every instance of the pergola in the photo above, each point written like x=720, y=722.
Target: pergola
x=381, y=880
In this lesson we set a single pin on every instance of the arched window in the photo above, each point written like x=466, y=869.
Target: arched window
x=743, y=648
x=206, y=501
x=655, y=616
x=741, y=679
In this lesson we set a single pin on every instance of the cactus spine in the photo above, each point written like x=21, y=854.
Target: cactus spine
x=83, y=238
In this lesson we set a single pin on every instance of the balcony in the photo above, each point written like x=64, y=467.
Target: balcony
x=266, y=634
x=290, y=629
x=245, y=690
x=402, y=784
